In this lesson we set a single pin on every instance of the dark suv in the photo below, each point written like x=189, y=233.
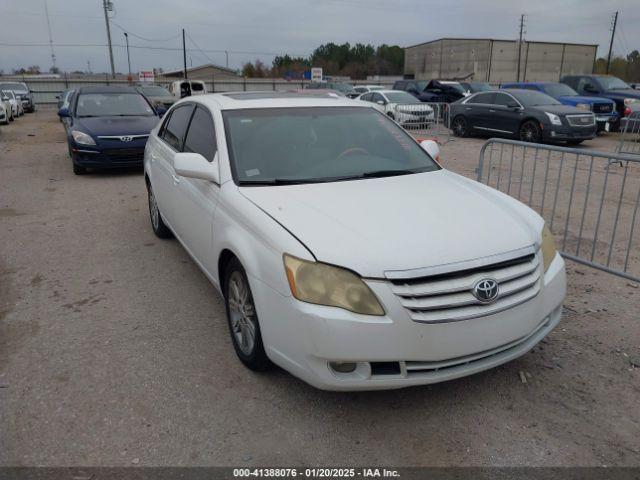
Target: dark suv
x=607, y=87
x=444, y=91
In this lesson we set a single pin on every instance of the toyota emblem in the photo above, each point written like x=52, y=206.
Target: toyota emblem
x=126, y=139
x=486, y=290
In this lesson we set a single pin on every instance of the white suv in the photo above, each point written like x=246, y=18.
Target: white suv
x=344, y=252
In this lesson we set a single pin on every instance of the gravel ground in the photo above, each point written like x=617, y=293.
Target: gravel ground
x=114, y=350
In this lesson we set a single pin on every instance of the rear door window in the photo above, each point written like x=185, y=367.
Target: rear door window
x=483, y=98
x=176, y=126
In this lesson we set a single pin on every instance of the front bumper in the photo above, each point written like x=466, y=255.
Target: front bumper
x=305, y=338
x=564, y=132
x=113, y=156
x=607, y=122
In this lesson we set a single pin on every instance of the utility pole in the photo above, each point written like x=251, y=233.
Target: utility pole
x=88, y=66
x=226, y=53
x=184, y=55
x=520, y=47
x=107, y=5
x=126, y=37
x=613, y=33
x=53, y=55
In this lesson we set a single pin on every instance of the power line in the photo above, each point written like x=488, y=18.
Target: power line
x=144, y=47
x=144, y=38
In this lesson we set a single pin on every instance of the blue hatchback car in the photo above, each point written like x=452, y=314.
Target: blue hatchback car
x=604, y=109
x=107, y=127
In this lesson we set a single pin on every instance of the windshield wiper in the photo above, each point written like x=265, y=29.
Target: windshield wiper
x=282, y=181
x=386, y=173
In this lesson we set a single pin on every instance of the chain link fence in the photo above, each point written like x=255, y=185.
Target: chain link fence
x=589, y=199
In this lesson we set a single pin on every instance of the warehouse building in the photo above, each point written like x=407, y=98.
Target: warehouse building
x=209, y=72
x=496, y=61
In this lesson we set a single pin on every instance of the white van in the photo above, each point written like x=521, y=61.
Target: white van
x=186, y=88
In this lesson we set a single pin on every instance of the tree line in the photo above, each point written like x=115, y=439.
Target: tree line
x=355, y=61
x=627, y=68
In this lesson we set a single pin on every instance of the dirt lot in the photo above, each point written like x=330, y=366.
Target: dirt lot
x=114, y=350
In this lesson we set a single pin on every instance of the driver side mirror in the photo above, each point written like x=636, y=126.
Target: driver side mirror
x=194, y=165
x=380, y=102
x=64, y=112
x=590, y=88
x=160, y=110
x=432, y=148
x=513, y=106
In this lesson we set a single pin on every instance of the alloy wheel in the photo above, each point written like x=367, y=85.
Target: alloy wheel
x=153, y=210
x=242, y=313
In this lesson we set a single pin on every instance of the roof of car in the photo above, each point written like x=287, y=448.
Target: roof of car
x=108, y=89
x=532, y=83
x=269, y=99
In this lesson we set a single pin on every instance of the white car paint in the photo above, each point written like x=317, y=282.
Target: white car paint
x=5, y=112
x=367, y=88
x=411, y=113
x=16, y=105
x=196, y=87
x=382, y=229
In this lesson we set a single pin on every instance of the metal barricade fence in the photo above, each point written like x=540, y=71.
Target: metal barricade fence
x=630, y=135
x=589, y=199
x=429, y=119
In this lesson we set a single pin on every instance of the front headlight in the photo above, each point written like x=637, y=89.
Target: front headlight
x=323, y=284
x=82, y=138
x=584, y=106
x=630, y=101
x=548, y=247
x=553, y=118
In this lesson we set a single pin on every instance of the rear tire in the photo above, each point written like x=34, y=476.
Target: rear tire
x=460, y=126
x=242, y=317
x=530, y=131
x=159, y=227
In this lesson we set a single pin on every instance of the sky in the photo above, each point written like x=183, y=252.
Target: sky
x=260, y=29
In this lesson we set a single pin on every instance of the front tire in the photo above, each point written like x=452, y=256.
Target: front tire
x=530, y=131
x=460, y=127
x=78, y=170
x=243, y=318
x=157, y=224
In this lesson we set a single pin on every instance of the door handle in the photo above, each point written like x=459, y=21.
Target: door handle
x=491, y=110
x=467, y=108
x=176, y=179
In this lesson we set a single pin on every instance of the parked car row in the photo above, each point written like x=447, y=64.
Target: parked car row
x=15, y=100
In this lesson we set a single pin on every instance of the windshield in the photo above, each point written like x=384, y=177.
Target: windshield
x=119, y=104
x=155, y=91
x=613, y=83
x=401, y=97
x=455, y=86
x=17, y=87
x=560, y=90
x=319, y=144
x=534, y=99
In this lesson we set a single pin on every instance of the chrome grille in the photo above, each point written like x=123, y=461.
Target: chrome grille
x=448, y=297
x=602, y=108
x=581, y=120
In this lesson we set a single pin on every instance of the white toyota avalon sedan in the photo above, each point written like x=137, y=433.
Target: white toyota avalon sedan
x=345, y=254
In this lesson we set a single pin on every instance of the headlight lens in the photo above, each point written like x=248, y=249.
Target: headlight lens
x=82, y=138
x=630, y=101
x=553, y=118
x=323, y=284
x=548, y=247
x=584, y=106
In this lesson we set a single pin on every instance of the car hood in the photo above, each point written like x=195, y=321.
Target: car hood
x=575, y=99
x=624, y=93
x=399, y=223
x=560, y=109
x=95, y=126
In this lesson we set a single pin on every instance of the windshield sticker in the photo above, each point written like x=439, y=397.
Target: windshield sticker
x=246, y=120
x=252, y=173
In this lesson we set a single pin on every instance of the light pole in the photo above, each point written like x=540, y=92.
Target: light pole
x=126, y=37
